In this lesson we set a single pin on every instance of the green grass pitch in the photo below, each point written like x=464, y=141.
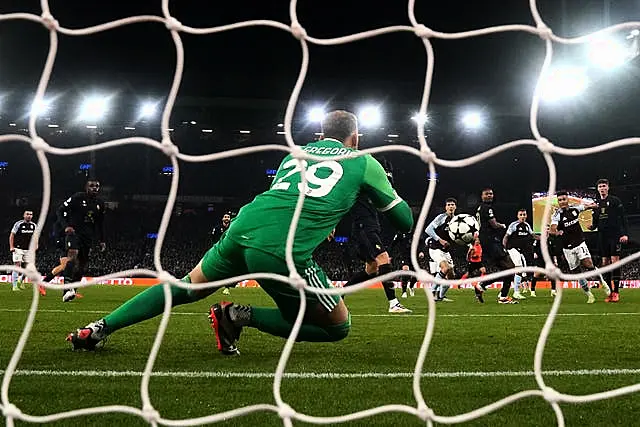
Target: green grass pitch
x=478, y=355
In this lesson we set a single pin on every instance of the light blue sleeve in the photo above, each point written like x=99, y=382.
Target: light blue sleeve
x=437, y=222
x=512, y=228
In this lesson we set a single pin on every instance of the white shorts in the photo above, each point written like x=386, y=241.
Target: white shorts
x=517, y=257
x=437, y=256
x=575, y=255
x=20, y=255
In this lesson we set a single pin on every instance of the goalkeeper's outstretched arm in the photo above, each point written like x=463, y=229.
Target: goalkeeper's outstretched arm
x=377, y=186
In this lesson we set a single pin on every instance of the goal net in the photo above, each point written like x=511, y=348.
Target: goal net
x=288, y=414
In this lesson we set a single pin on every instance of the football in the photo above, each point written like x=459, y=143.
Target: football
x=462, y=227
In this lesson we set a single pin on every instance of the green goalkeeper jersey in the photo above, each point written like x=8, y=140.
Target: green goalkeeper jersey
x=332, y=188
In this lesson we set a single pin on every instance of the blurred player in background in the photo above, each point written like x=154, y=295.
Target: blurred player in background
x=557, y=256
x=365, y=232
x=611, y=222
x=493, y=250
x=400, y=249
x=217, y=233
x=221, y=228
x=476, y=268
x=566, y=224
x=439, y=242
x=256, y=242
x=19, y=239
x=81, y=218
x=518, y=240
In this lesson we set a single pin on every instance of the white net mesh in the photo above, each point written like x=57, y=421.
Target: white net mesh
x=166, y=145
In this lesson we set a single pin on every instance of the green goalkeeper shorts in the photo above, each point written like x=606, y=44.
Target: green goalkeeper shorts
x=228, y=258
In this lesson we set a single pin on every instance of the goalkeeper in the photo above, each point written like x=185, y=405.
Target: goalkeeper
x=255, y=242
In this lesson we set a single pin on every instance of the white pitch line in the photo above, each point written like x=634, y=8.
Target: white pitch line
x=187, y=313
x=323, y=375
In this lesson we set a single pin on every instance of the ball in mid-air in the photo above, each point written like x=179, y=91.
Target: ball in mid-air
x=462, y=228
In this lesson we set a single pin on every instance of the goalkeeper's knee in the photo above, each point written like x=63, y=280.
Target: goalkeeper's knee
x=338, y=332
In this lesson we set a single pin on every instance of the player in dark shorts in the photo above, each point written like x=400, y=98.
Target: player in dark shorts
x=611, y=222
x=59, y=236
x=365, y=233
x=401, y=252
x=555, y=251
x=476, y=268
x=493, y=251
x=81, y=218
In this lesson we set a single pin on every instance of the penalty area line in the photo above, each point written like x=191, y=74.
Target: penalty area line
x=322, y=375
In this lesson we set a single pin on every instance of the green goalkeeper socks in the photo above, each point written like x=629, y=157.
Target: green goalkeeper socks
x=270, y=320
x=149, y=304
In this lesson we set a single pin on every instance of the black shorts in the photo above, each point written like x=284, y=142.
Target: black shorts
x=493, y=251
x=73, y=241
x=368, y=244
x=539, y=261
x=474, y=268
x=528, y=258
x=609, y=245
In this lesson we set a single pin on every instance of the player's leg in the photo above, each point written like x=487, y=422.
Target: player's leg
x=82, y=264
x=516, y=259
x=534, y=282
x=17, y=261
x=326, y=319
x=384, y=266
x=446, y=271
x=62, y=249
x=223, y=260
x=72, y=245
x=436, y=256
x=57, y=269
x=575, y=257
x=616, y=275
x=503, y=262
x=606, y=253
x=587, y=265
x=366, y=253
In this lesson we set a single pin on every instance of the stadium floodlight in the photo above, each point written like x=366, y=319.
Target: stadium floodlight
x=147, y=110
x=41, y=107
x=420, y=119
x=472, y=119
x=94, y=108
x=370, y=116
x=316, y=114
x=564, y=82
x=607, y=53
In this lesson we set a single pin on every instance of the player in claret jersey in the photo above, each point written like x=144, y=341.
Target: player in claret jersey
x=19, y=239
x=566, y=224
x=255, y=242
x=611, y=222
